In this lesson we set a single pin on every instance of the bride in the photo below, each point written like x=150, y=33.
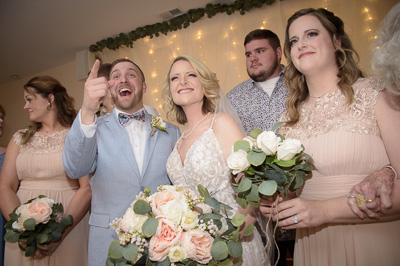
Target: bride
x=192, y=97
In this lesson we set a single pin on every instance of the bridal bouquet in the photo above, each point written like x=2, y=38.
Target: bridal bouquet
x=270, y=164
x=36, y=222
x=176, y=226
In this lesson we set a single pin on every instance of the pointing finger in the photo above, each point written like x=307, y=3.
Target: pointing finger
x=94, y=70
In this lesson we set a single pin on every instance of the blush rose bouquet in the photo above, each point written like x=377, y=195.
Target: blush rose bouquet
x=35, y=223
x=176, y=226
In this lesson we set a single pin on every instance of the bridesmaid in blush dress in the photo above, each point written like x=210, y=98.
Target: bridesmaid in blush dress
x=351, y=133
x=33, y=166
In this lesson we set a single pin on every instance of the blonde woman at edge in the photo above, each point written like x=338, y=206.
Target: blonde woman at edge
x=192, y=97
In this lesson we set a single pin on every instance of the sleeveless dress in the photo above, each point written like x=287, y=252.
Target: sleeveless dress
x=346, y=146
x=41, y=172
x=205, y=164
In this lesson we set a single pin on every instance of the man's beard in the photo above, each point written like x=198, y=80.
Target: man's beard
x=264, y=74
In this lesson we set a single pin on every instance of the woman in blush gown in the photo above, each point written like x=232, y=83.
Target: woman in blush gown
x=351, y=133
x=191, y=94
x=33, y=166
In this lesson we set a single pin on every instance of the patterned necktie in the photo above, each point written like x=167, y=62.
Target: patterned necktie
x=124, y=118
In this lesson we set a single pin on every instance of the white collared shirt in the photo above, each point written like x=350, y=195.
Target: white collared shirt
x=137, y=134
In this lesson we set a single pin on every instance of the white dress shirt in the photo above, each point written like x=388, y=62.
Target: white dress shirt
x=136, y=131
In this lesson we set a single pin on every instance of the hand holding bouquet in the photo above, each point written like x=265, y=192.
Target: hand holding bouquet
x=36, y=223
x=176, y=226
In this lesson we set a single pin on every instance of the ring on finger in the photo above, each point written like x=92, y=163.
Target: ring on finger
x=350, y=196
x=370, y=200
x=360, y=200
x=295, y=220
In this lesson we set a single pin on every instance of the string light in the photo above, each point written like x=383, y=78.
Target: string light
x=151, y=51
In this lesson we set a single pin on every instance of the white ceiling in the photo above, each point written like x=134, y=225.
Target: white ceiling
x=40, y=34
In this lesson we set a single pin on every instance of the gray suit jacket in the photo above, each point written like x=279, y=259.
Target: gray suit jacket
x=116, y=180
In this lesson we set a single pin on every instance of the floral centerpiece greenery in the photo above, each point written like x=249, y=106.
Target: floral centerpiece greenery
x=177, y=226
x=35, y=223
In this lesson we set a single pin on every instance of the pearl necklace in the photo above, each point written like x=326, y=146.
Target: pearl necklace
x=191, y=131
x=322, y=94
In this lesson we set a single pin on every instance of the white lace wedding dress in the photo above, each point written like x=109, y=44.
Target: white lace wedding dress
x=205, y=164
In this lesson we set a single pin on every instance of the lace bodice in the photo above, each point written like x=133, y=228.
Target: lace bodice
x=42, y=143
x=332, y=113
x=204, y=164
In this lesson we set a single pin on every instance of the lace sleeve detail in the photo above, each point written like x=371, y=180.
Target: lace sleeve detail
x=333, y=113
x=18, y=136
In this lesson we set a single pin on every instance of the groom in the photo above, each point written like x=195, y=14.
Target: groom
x=119, y=151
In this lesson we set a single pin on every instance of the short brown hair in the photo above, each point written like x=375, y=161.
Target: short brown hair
x=126, y=60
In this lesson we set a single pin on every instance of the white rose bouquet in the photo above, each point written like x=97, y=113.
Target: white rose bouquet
x=36, y=222
x=176, y=226
x=270, y=163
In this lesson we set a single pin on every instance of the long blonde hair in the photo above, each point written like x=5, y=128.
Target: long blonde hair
x=345, y=53
x=207, y=79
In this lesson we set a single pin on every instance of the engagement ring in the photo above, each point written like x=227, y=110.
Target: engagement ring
x=295, y=220
x=350, y=196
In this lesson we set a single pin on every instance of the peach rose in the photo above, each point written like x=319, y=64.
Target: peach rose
x=166, y=236
x=40, y=210
x=197, y=245
x=162, y=198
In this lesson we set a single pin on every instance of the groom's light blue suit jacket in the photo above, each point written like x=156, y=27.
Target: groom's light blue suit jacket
x=116, y=180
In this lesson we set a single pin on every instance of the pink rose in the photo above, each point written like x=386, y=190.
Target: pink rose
x=197, y=245
x=166, y=236
x=40, y=210
x=162, y=198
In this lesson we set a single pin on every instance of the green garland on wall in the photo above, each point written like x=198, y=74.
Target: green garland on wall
x=177, y=23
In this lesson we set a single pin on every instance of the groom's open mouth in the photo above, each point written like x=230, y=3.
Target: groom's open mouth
x=125, y=92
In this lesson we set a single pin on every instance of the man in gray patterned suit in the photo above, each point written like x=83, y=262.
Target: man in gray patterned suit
x=260, y=100
x=118, y=149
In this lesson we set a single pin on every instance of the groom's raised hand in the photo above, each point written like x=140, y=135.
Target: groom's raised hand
x=95, y=90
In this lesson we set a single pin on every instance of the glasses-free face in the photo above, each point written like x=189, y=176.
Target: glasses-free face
x=185, y=86
x=127, y=91
x=311, y=47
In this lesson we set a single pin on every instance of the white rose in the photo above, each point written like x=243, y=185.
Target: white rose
x=288, y=149
x=162, y=124
x=238, y=162
x=189, y=220
x=268, y=142
x=174, y=210
x=132, y=221
x=176, y=254
x=19, y=224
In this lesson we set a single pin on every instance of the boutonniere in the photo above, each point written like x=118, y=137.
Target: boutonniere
x=157, y=123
